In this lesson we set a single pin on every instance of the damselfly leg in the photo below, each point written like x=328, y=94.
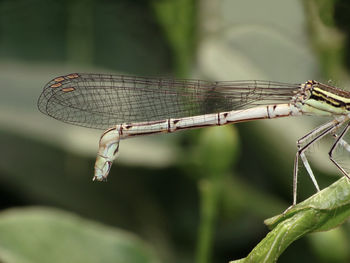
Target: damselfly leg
x=303, y=144
x=340, y=141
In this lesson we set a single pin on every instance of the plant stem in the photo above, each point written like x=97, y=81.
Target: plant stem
x=209, y=196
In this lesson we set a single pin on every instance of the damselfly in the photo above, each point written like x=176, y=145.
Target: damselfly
x=129, y=106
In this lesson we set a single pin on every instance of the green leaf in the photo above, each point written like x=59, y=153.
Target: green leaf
x=49, y=235
x=323, y=211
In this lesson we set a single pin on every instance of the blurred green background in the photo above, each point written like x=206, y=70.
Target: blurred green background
x=196, y=196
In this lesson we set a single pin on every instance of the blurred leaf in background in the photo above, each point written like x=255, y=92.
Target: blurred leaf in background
x=65, y=238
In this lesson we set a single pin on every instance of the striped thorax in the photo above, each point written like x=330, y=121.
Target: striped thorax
x=321, y=99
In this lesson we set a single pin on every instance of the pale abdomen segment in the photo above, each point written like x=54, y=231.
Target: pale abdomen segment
x=109, y=142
